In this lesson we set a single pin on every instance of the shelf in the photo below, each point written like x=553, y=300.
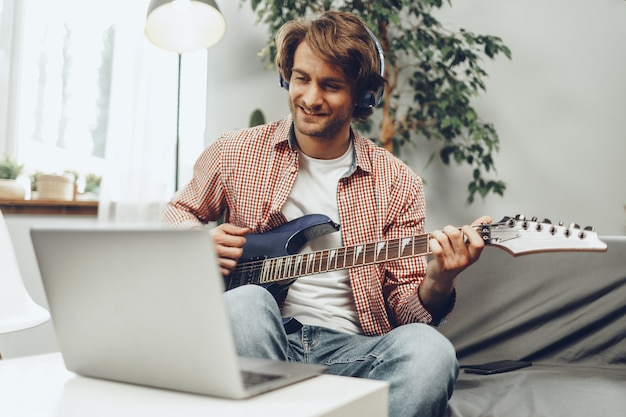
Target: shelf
x=49, y=207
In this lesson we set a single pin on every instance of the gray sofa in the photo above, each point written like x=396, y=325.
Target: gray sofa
x=563, y=311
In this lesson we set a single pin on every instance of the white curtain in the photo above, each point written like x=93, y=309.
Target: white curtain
x=6, y=38
x=139, y=175
x=141, y=142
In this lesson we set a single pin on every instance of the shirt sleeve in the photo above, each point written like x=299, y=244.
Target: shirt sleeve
x=403, y=277
x=201, y=200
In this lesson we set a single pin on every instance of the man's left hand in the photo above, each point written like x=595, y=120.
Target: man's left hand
x=453, y=250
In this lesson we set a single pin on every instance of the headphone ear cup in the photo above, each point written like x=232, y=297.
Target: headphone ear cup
x=283, y=83
x=367, y=100
x=370, y=100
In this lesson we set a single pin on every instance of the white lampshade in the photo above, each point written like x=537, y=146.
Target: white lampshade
x=184, y=25
x=17, y=310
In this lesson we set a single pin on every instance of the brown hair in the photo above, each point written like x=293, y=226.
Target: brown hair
x=341, y=39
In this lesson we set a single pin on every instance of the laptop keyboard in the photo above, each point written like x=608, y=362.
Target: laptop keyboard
x=251, y=379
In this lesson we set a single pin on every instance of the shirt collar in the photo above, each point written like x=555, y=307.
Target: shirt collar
x=284, y=134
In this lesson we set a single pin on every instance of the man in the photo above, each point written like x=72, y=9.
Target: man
x=370, y=321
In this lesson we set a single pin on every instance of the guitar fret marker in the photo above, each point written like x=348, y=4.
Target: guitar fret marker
x=278, y=267
x=309, y=263
x=331, y=257
x=405, y=243
x=298, y=267
x=264, y=271
x=357, y=255
x=379, y=249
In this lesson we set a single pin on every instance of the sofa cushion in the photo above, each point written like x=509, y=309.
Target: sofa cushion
x=541, y=391
x=564, y=307
x=563, y=311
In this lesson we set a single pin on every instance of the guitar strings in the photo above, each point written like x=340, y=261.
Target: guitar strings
x=368, y=251
x=322, y=261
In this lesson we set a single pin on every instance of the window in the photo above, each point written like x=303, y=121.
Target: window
x=65, y=84
x=63, y=54
x=88, y=93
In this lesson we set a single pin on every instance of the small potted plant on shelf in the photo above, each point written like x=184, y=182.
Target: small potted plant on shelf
x=10, y=188
x=92, y=184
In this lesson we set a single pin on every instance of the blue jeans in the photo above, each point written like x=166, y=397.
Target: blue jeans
x=418, y=362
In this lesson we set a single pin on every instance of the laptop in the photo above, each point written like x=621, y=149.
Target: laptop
x=145, y=307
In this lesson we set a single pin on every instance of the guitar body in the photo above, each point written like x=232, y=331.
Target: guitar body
x=286, y=239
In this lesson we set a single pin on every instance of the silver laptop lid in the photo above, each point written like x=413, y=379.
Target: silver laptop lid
x=140, y=306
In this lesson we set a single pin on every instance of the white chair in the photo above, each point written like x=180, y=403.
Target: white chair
x=17, y=309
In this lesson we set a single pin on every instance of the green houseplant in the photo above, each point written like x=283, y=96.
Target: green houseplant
x=92, y=183
x=10, y=170
x=432, y=73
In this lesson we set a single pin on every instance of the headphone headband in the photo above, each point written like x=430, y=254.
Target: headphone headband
x=368, y=99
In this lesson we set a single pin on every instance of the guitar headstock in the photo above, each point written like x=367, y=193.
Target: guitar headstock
x=519, y=236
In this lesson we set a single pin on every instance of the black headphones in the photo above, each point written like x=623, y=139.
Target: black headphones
x=368, y=99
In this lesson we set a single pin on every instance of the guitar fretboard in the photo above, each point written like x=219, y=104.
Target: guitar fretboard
x=290, y=267
x=517, y=236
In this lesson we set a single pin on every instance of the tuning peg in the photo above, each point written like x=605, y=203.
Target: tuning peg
x=574, y=226
x=508, y=221
x=520, y=217
x=533, y=219
x=560, y=222
x=589, y=228
x=547, y=221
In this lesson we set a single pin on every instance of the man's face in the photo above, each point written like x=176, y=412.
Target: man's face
x=320, y=98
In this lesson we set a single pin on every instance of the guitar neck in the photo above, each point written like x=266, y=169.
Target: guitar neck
x=517, y=236
x=286, y=268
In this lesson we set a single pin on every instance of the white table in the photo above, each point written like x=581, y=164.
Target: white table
x=41, y=386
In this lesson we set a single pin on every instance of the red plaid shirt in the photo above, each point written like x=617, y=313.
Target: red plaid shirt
x=248, y=174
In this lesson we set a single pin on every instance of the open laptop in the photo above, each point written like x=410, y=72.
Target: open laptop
x=145, y=307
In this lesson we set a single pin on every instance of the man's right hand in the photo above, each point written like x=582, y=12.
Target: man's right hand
x=229, y=240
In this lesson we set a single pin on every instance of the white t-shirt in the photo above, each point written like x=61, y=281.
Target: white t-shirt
x=322, y=299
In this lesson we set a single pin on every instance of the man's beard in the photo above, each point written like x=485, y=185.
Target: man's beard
x=328, y=127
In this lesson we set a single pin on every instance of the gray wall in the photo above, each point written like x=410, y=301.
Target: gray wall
x=558, y=107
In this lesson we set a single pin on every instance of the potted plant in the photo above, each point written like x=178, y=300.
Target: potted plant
x=10, y=188
x=432, y=75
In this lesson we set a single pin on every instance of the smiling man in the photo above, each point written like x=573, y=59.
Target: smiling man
x=373, y=320
x=321, y=104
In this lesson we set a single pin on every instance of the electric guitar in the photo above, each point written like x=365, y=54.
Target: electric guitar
x=273, y=257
